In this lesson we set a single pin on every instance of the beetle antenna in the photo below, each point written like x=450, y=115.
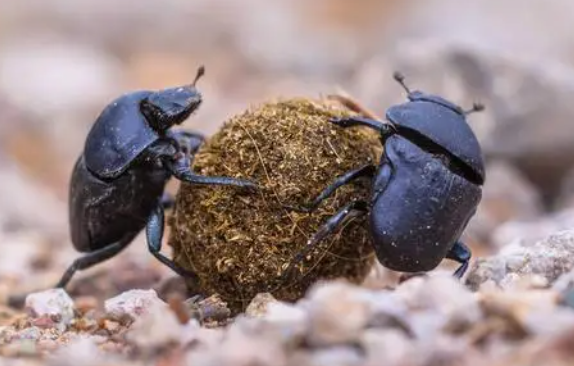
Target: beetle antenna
x=199, y=74
x=400, y=78
x=476, y=107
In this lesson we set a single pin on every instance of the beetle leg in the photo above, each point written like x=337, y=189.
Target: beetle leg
x=167, y=201
x=462, y=254
x=353, y=209
x=187, y=134
x=367, y=170
x=180, y=168
x=191, y=140
x=386, y=129
x=93, y=258
x=154, y=236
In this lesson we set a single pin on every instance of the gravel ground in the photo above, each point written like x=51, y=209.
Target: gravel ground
x=62, y=61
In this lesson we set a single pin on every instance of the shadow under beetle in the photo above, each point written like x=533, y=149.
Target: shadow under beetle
x=424, y=191
x=117, y=185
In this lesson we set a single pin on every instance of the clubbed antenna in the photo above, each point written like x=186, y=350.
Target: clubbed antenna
x=200, y=73
x=400, y=78
x=476, y=107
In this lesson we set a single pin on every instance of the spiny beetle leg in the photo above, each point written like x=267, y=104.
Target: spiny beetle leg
x=353, y=209
x=367, y=170
x=154, y=236
x=461, y=254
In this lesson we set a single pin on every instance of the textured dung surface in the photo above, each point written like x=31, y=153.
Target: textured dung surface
x=240, y=242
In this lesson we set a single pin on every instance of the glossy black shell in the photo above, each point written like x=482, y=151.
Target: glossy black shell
x=103, y=212
x=442, y=122
x=420, y=208
x=118, y=136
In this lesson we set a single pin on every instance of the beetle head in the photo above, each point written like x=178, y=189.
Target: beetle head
x=416, y=95
x=166, y=108
x=440, y=127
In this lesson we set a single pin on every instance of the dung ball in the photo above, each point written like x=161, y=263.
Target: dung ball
x=239, y=243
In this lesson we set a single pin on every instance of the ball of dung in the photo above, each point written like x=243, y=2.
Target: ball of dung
x=239, y=243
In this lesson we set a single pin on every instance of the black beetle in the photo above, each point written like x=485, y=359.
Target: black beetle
x=117, y=185
x=425, y=190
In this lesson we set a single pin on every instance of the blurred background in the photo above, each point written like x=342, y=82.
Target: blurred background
x=62, y=61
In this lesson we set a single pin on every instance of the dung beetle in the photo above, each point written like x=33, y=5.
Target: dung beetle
x=424, y=191
x=117, y=185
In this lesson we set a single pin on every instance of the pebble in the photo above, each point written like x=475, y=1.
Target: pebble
x=82, y=350
x=337, y=313
x=439, y=300
x=385, y=347
x=258, y=306
x=157, y=328
x=133, y=304
x=548, y=258
x=54, y=304
x=292, y=321
x=237, y=349
x=336, y=356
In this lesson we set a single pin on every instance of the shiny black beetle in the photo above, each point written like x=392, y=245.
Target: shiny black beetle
x=117, y=185
x=424, y=191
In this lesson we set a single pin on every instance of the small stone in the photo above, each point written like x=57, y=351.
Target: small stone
x=385, y=347
x=82, y=350
x=336, y=356
x=48, y=345
x=440, y=302
x=237, y=349
x=523, y=282
x=286, y=323
x=85, y=324
x=548, y=258
x=527, y=309
x=388, y=311
x=291, y=320
x=32, y=333
x=157, y=328
x=21, y=348
x=338, y=312
x=259, y=305
x=211, y=309
x=45, y=321
x=549, y=322
x=54, y=303
x=564, y=283
x=111, y=325
x=193, y=332
x=85, y=304
x=133, y=304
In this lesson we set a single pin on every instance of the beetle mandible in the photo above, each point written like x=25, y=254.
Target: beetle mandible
x=117, y=185
x=425, y=189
